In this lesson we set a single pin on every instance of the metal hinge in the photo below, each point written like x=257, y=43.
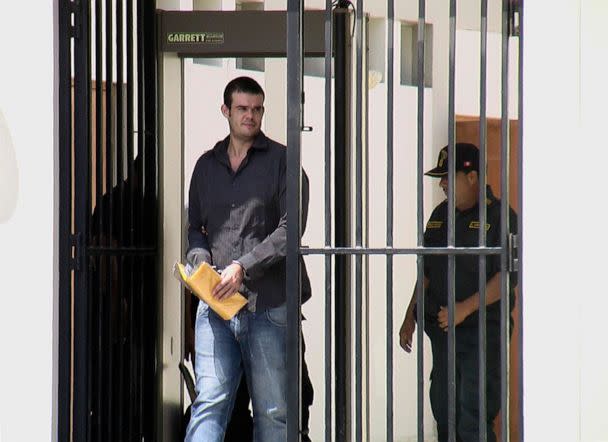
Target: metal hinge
x=77, y=251
x=75, y=19
x=513, y=252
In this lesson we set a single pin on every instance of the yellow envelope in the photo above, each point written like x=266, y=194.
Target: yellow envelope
x=202, y=283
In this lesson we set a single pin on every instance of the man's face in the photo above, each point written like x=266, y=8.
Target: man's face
x=466, y=191
x=245, y=115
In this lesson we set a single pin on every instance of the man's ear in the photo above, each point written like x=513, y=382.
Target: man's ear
x=225, y=110
x=473, y=177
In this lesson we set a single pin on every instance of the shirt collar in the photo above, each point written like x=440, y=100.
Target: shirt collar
x=221, y=148
x=260, y=142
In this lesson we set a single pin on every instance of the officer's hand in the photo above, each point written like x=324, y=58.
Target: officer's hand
x=460, y=314
x=406, y=332
x=232, y=277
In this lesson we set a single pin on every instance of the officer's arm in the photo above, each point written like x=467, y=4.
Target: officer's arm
x=471, y=304
x=410, y=308
x=409, y=322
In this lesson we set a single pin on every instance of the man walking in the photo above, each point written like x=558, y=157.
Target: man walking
x=238, y=222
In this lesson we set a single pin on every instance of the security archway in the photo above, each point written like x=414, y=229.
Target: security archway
x=210, y=34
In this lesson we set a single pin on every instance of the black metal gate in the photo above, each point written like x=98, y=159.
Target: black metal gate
x=108, y=221
x=349, y=422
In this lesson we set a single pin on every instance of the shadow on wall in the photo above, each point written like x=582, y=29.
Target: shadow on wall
x=9, y=174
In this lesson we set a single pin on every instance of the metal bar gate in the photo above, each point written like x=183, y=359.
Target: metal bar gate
x=108, y=221
x=338, y=426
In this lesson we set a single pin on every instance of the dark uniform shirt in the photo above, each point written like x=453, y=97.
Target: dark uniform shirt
x=242, y=216
x=467, y=266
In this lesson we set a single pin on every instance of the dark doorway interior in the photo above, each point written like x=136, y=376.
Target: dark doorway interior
x=108, y=221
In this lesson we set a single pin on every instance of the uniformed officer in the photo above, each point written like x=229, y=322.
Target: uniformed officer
x=467, y=299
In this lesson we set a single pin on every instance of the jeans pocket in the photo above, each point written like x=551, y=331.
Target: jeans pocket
x=277, y=316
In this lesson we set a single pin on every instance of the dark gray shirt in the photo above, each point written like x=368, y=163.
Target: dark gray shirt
x=242, y=216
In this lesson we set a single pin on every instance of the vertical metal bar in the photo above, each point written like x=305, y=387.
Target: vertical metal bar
x=64, y=96
x=328, y=351
x=342, y=192
x=482, y=219
x=420, y=217
x=109, y=130
x=99, y=261
x=504, y=224
x=138, y=214
x=140, y=345
x=328, y=285
x=359, y=222
x=130, y=287
x=140, y=128
x=82, y=141
x=520, y=226
x=120, y=402
x=119, y=50
x=149, y=229
x=293, y=286
x=130, y=218
x=390, y=65
x=109, y=326
x=451, y=229
x=130, y=120
x=88, y=240
x=150, y=115
x=365, y=239
x=99, y=116
x=184, y=234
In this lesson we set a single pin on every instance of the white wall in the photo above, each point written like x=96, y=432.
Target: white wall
x=564, y=285
x=593, y=290
x=27, y=222
x=468, y=74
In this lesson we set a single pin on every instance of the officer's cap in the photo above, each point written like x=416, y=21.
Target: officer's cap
x=467, y=160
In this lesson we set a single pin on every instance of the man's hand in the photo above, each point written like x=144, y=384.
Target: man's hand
x=460, y=314
x=406, y=332
x=232, y=277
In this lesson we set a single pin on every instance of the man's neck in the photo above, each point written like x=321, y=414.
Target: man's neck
x=471, y=202
x=238, y=147
x=466, y=206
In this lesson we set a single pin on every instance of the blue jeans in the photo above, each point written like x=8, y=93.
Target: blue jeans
x=250, y=343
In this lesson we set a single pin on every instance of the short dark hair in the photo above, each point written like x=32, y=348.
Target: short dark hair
x=242, y=84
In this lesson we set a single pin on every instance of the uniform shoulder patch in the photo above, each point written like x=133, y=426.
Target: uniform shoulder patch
x=475, y=225
x=434, y=224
